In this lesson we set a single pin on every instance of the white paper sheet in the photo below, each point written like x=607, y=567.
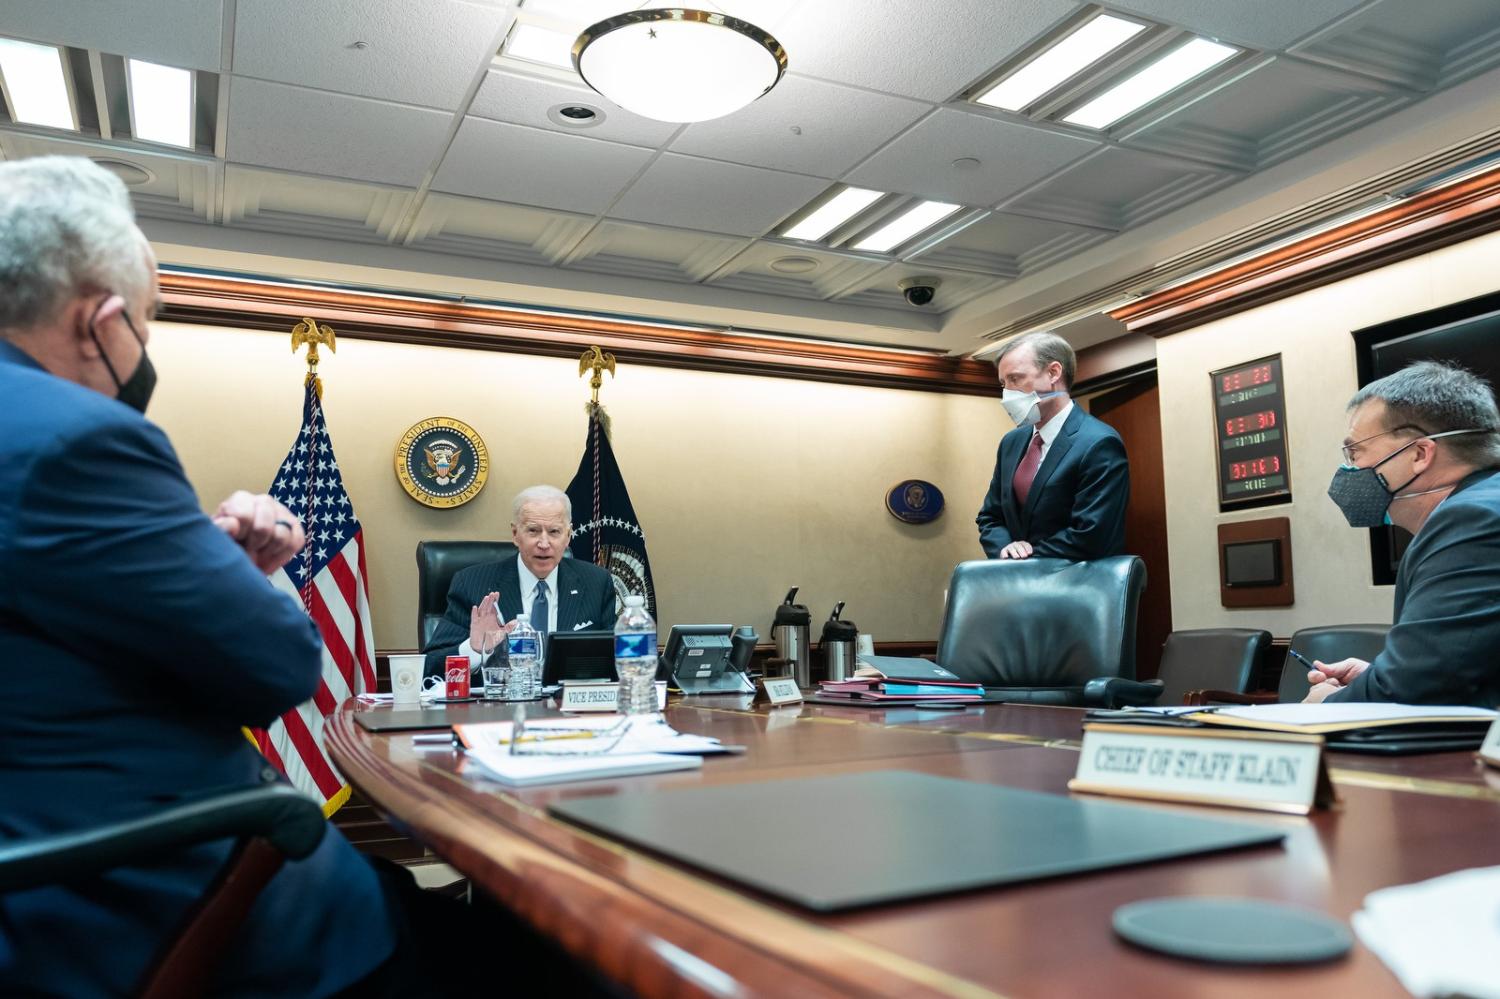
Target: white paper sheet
x=1439, y=937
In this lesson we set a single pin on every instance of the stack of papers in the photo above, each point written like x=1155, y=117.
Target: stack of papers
x=899, y=691
x=1440, y=937
x=1354, y=727
x=651, y=746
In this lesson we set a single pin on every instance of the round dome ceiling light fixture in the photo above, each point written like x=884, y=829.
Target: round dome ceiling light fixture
x=678, y=64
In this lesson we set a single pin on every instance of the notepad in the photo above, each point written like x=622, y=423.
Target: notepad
x=870, y=838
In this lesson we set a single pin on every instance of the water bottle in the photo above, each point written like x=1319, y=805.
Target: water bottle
x=525, y=667
x=635, y=658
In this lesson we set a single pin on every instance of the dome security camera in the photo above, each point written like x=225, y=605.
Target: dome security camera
x=919, y=291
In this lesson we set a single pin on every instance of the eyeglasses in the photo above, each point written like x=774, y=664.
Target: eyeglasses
x=558, y=740
x=1351, y=450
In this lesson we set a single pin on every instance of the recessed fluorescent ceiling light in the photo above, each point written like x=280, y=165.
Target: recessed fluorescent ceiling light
x=1066, y=58
x=840, y=209
x=537, y=44
x=161, y=103
x=1165, y=74
x=34, y=80
x=906, y=225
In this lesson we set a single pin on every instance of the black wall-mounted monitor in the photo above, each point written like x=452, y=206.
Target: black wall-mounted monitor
x=1252, y=563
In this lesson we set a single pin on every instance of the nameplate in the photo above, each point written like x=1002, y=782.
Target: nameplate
x=602, y=696
x=1490, y=751
x=778, y=690
x=1271, y=771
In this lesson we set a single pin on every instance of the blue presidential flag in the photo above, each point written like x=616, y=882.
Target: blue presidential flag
x=605, y=529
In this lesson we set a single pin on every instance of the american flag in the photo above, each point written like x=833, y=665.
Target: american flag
x=328, y=578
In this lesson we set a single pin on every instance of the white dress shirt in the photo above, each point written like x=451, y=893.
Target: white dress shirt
x=528, y=595
x=1048, y=430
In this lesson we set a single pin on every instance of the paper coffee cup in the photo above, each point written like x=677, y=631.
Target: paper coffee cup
x=406, y=680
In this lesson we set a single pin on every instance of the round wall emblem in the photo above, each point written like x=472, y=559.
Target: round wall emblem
x=914, y=501
x=441, y=462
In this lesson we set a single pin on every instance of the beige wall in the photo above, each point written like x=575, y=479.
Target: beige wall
x=743, y=485
x=1311, y=332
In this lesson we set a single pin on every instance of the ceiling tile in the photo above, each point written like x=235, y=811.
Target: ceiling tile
x=488, y=229
x=927, y=51
x=525, y=100
x=774, y=268
x=1011, y=157
x=956, y=288
x=652, y=252
x=417, y=53
x=184, y=33
x=1418, y=46
x=835, y=127
x=716, y=197
x=1118, y=188
x=1279, y=109
x=309, y=131
x=1009, y=245
x=162, y=186
x=1258, y=25
x=490, y=159
x=312, y=206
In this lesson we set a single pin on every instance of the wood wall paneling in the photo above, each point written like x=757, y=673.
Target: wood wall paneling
x=1416, y=225
x=246, y=304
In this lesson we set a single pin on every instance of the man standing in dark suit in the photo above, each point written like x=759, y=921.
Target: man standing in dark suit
x=1061, y=480
x=137, y=635
x=556, y=593
x=1423, y=453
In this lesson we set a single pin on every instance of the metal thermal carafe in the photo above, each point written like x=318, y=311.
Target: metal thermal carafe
x=790, y=631
x=839, y=640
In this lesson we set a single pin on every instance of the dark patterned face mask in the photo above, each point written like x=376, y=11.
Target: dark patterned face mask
x=1363, y=495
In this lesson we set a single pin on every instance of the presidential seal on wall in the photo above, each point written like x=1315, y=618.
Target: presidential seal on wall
x=914, y=501
x=441, y=462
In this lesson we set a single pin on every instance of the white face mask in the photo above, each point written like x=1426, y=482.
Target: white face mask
x=1024, y=408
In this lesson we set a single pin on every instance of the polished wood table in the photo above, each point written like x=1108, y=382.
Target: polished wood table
x=663, y=929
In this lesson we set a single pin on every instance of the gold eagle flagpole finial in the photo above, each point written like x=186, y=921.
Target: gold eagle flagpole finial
x=309, y=332
x=596, y=361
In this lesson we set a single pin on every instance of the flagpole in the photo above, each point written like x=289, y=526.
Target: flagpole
x=310, y=333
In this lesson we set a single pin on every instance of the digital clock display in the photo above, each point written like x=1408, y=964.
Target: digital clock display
x=1250, y=434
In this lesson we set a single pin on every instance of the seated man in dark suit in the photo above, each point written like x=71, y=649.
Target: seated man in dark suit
x=556, y=593
x=1423, y=453
x=137, y=635
x=1061, y=481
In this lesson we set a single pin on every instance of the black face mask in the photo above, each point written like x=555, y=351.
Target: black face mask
x=136, y=390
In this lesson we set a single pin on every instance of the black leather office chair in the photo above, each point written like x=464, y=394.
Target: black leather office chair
x=272, y=823
x=1328, y=644
x=1199, y=663
x=437, y=563
x=1047, y=631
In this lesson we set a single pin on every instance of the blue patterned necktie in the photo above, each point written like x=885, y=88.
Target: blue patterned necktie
x=540, y=614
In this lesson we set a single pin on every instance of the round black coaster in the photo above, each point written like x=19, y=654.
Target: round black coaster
x=1233, y=930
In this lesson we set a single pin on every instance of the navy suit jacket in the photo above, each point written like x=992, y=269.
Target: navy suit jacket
x=1444, y=647
x=1076, y=507
x=135, y=640
x=585, y=600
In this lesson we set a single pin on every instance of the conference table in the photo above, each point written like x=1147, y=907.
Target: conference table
x=660, y=928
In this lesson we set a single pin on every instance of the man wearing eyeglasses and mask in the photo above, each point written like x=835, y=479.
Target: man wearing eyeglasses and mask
x=1061, y=481
x=1423, y=453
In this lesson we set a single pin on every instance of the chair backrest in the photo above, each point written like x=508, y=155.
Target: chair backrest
x=1211, y=659
x=1042, y=628
x=1329, y=643
x=437, y=563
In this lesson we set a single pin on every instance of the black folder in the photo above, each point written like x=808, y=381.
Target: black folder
x=865, y=839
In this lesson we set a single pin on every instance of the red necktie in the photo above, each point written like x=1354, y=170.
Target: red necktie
x=1026, y=470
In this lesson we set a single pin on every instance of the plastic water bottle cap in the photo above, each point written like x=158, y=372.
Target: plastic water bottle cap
x=522, y=618
x=635, y=601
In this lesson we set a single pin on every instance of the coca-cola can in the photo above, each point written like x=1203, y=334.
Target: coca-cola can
x=458, y=676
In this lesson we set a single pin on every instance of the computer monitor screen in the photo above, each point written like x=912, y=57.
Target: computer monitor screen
x=579, y=655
